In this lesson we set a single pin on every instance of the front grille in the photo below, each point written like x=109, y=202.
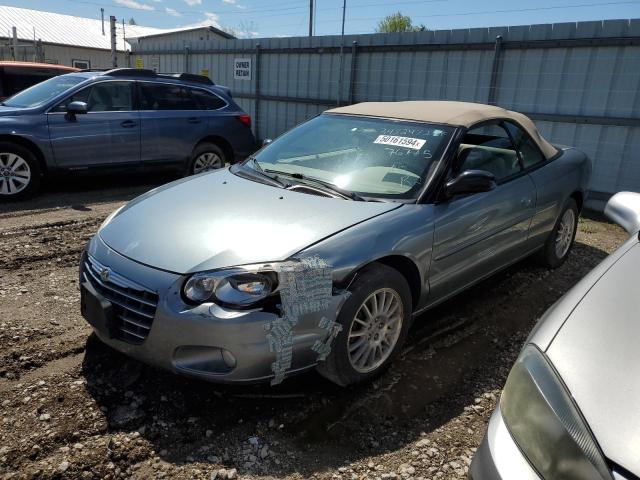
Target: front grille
x=134, y=307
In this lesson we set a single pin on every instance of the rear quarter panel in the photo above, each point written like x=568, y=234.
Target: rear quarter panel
x=224, y=123
x=555, y=182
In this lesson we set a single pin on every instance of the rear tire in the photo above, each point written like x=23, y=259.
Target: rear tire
x=375, y=320
x=20, y=172
x=560, y=241
x=206, y=157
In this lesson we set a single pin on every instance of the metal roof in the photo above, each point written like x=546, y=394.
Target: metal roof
x=208, y=28
x=65, y=29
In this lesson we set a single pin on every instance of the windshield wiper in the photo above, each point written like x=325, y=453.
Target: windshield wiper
x=327, y=185
x=258, y=173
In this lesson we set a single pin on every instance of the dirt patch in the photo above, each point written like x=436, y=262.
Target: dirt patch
x=73, y=408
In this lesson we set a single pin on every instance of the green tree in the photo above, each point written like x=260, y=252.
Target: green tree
x=398, y=23
x=132, y=21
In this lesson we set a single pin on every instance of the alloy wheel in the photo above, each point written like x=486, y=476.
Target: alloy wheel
x=564, y=235
x=375, y=330
x=207, y=161
x=15, y=174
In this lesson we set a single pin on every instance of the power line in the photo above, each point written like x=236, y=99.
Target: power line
x=304, y=8
x=489, y=12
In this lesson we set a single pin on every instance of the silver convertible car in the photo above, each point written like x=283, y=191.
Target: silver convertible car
x=320, y=250
x=569, y=409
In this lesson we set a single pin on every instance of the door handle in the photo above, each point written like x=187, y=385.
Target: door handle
x=128, y=124
x=193, y=120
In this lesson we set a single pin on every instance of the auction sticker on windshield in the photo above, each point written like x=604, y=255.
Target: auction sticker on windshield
x=414, y=143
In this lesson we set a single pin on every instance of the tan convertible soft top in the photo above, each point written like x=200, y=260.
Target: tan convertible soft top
x=462, y=114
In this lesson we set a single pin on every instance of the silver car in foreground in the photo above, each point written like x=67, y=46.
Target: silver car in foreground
x=321, y=249
x=570, y=407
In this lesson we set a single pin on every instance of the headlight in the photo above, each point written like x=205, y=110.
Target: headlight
x=241, y=287
x=545, y=423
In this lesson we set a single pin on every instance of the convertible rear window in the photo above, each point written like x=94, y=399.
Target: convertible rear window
x=370, y=156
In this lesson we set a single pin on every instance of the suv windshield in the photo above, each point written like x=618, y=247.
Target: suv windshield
x=43, y=92
x=369, y=156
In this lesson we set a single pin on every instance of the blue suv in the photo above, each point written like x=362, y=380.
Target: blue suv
x=118, y=118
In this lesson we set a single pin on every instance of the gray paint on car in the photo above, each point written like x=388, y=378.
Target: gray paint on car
x=219, y=219
x=596, y=353
x=591, y=337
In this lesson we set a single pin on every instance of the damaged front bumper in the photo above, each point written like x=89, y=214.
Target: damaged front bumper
x=139, y=311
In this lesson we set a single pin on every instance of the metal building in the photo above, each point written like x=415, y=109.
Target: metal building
x=81, y=42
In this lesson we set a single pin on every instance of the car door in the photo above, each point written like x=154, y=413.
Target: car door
x=477, y=234
x=171, y=122
x=108, y=134
x=547, y=175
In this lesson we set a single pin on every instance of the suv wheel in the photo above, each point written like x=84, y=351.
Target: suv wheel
x=19, y=172
x=206, y=157
x=375, y=320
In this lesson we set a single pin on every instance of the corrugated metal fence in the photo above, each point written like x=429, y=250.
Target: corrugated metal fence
x=580, y=82
x=22, y=52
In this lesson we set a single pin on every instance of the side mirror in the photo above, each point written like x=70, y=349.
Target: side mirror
x=624, y=209
x=266, y=142
x=76, y=108
x=470, y=181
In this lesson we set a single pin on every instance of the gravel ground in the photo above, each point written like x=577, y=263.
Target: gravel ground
x=73, y=408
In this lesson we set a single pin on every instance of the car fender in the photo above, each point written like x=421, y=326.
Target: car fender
x=28, y=131
x=404, y=232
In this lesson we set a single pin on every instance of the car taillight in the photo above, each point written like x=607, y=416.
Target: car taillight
x=245, y=120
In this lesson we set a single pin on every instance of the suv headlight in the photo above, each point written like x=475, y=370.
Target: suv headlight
x=546, y=424
x=238, y=286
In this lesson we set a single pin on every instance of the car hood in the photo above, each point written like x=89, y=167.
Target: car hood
x=10, y=111
x=220, y=220
x=597, y=354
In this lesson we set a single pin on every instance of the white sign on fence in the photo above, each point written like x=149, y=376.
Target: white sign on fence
x=155, y=64
x=242, y=69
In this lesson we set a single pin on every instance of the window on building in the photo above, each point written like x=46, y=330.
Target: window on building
x=81, y=64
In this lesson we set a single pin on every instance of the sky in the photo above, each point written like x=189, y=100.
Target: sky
x=261, y=18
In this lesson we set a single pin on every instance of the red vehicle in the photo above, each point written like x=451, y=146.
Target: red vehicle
x=16, y=76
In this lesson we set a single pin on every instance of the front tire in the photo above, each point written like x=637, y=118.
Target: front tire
x=375, y=320
x=19, y=172
x=558, y=245
x=206, y=157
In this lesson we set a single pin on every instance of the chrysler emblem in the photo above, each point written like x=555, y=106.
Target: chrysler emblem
x=104, y=274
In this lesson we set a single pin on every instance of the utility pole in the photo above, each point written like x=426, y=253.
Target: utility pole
x=14, y=43
x=344, y=10
x=114, y=53
x=102, y=17
x=311, y=18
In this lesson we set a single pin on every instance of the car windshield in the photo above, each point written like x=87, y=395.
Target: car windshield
x=372, y=157
x=43, y=92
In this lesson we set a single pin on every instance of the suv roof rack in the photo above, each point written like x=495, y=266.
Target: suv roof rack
x=142, y=72
x=189, y=77
x=130, y=72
